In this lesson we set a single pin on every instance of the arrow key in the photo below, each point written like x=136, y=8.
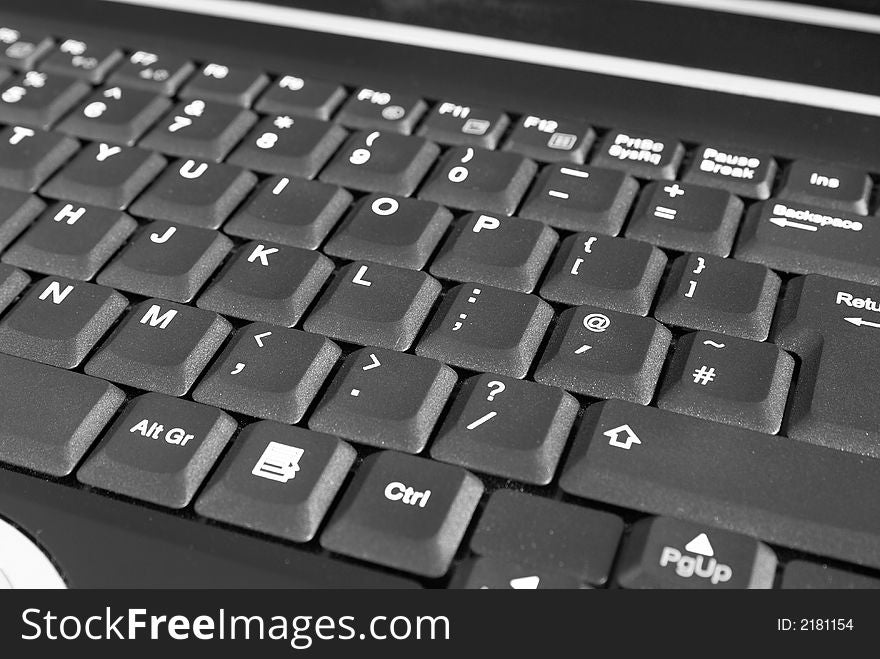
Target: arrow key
x=493, y=573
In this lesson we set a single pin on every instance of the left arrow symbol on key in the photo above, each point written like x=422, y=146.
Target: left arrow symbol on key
x=259, y=338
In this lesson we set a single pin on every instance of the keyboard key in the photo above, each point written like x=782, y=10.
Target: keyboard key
x=269, y=372
x=195, y=193
x=686, y=218
x=268, y=282
x=541, y=533
x=492, y=573
x=581, y=198
x=390, y=230
x=71, y=240
x=404, y=512
x=90, y=61
x=21, y=49
x=721, y=295
x=38, y=99
x=374, y=304
x=28, y=157
x=643, y=156
x=744, y=173
x=290, y=211
x=277, y=480
x=59, y=321
x=50, y=417
x=166, y=260
x=115, y=114
x=781, y=491
x=507, y=252
x=728, y=380
x=506, y=428
x=17, y=211
x=228, y=84
x=160, y=346
x=605, y=354
x=301, y=97
x=551, y=140
x=370, y=109
x=161, y=73
x=386, y=399
x=802, y=575
x=463, y=125
x=476, y=179
x=828, y=185
x=12, y=282
x=664, y=552
x=159, y=450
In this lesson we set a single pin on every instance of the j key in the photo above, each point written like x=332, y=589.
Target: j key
x=605, y=354
x=166, y=260
x=581, y=198
x=785, y=492
x=482, y=328
x=381, y=162
x=71, y=240
x=160, y=346
x=269, y=372
x=374, y=304
x=50, y=417
x=115, y=114
x=105, y=175
x=548, y=534
x=59, y=321
x=200, y=129
x=833, y=326
x=38, y=99
x=385, y=398
x=90, y=61
x=744, y=173
x=664, y=552
x=153, y=72
x=391, y=230
x=827, y=185
x=17, y=211
x=286, y=145
x=195, y=193
x=301, y=97
x=159, y=450
x=28, y=157
x=802, y=575
x=268, y=282
x=12, y=282
x=607, y=272
x=476, y=179
x=290, y=211
x=803, y=239
x=728, y=380
x=404, y=512
x=507, y=428
x=687, y=218
x=551, y=140
x=277, y=480
x=21, y=50
x=492, y=573
x=450, y=123
x=721, y=295
x=644, y=156
x=227, y=84
x=371, y=109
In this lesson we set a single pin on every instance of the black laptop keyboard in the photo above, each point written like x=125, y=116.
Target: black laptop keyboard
x=466, y=345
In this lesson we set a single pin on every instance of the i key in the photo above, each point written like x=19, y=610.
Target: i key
x=28, y=157
x=88, y=61
x=385, y=398
x=153, y=72
x=37, y=99
x=227, y=84
x=551, y=140
x=463, y=125
x=301, y=97
x=115, y=114
x=371, y=109
x=644, y=156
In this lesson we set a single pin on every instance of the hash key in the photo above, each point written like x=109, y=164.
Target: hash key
x=228, y=84
x=450, y=123
x=38, y=99
x=115, y=115
x=28, y=156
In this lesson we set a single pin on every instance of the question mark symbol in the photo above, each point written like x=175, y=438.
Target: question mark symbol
x=495, y=388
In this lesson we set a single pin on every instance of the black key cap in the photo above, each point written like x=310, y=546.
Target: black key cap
x=28, y=157
x=71, y=240
x=784, y=492
x=644, y=156
x=301, y=97
x=59, y=321
x=542, y=533
x=802, y=575
x=612, y=273
x=404, y=512
x=195, y=193
x=159, y=450
x=269, y=372
x=385, y=398
x=228, y=84
x=160, y=346
x=721, y=295
x=507, y=252
x=605, y=354
x=828, y=185
x=153, y=72
x=744, y=173
x=105, y=175
x=506, y=428
x=50, y=417
x=268, y=282
x=551, y=140
x=277, y=480
x=493, y=573
x=285, y=145
x=370, y=109
x=17, y=211
x=482, y=328
x=166, y=260
x=115, y=114
x=579, y=198
x=12, y=282
x=38, y=99
x=375, y=305
x=687, y=218
x=21, y=50
x=664, y=552
x=807, y=240
x=290, y=211
x=463, y=125
x=728, y=380
x=89, y=61
x=390, y=230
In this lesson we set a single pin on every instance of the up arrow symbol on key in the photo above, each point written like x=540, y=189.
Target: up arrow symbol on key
x=525, y=583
